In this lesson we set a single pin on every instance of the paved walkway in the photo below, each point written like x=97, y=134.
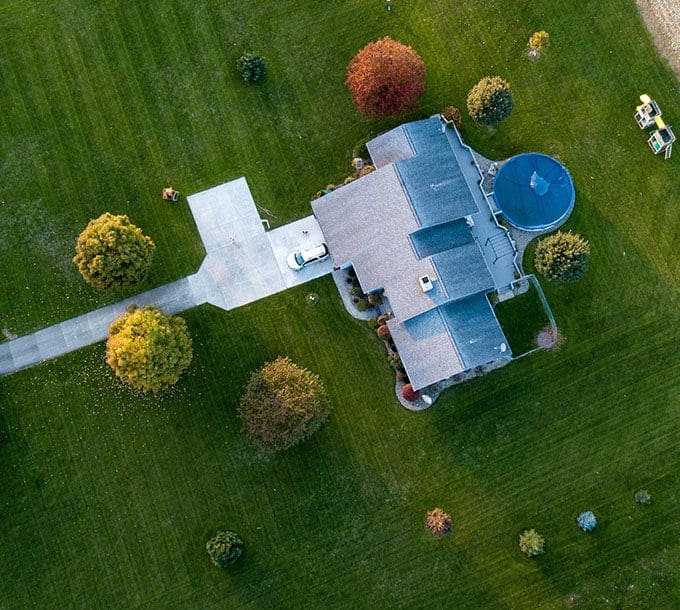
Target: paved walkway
x=243, y=263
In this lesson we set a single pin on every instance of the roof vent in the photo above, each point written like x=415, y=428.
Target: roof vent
x=426, y=283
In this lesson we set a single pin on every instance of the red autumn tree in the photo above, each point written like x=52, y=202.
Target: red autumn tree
x=386, y=78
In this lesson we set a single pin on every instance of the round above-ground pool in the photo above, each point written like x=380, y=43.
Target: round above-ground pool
x=534, y=191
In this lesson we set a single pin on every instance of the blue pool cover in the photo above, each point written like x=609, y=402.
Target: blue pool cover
x=534, y=191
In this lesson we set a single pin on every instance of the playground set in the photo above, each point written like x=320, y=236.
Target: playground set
x=648, y=114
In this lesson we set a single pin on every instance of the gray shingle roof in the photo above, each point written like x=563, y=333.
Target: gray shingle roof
x=426, y=348
x=405, y=220
x=367, y=223
x=433, y=180
x=463, y=271
x=390, y=147
x=442, y=237
x=475, y=330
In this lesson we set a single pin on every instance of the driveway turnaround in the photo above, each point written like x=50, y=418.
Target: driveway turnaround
x=243, y=263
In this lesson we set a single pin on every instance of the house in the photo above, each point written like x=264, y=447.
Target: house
x=420, y=228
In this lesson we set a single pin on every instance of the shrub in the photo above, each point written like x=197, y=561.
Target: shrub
x=451, y=113
x=372, y=323
x=438, y=522
x=360, y=149
x=531, y=543
x=375, y=298
x=349, y=179
x=386, y=78
x=383, y=332
x=490, y=101
x=395, y=360
x=643, y=497
x=283, y=404
x=382, y=319
x=251, y=66
x=365, y=170
x=587, y=521
x=148, y=349
x=111, y=252
x=408, y=393
x=356, y=292
x=549, y=338
x=361, y=305
x=562, y=257
x=539, y=41
x=224, y=548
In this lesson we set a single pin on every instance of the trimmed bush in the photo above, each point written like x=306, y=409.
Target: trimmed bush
x=375, y=298
x=382, y=319
x=361, y=305
x=438, y=522
x=386, y=78
x=562, y=257
x=383, y=332
x=112, y=253
x=283, y=405
x=372, y=323
x=531, y=543
x=148, y=349
x=490, y=101
x=643, y=497
x=451, y=113
x=224, y=548
x=395, y=360
x=587, y=521
x=251, y=66
x=408, y=393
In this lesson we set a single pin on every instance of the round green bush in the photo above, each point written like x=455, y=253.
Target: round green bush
x=251, y=66
x=643, y=497
x=562, y=257
x=113, y=253
x=490, y=101
x=224, y=548
x=531, y=543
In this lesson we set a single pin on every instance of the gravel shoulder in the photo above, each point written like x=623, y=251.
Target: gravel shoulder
x=662, y=18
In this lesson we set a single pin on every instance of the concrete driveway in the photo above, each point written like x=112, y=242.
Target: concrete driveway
x=243, y=263
x=303, y=233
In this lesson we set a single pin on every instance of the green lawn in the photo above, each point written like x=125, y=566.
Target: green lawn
x=108, y=497
x=522, y=318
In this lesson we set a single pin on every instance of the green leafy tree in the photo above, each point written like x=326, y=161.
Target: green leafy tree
x=283, y=404
x=224, y=548
x=531, y=543
x=111, y=252
x=148, y=349
x=251, y=66
x=562, y=257
x=490, y=101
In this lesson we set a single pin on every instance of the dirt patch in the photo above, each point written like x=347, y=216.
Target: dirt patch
x=662, y=18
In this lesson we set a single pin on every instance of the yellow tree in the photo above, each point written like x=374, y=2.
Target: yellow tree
x=148, y=349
